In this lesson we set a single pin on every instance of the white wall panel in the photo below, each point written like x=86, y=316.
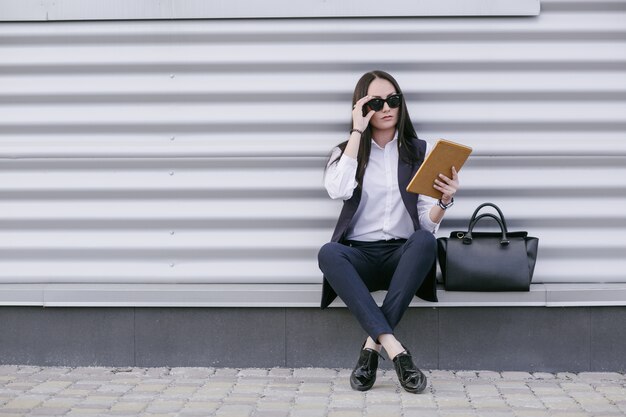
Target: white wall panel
x=192, y=152
x=194, y=9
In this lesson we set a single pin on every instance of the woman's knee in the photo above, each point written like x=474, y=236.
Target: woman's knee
x=424, y=240
x=329, y=251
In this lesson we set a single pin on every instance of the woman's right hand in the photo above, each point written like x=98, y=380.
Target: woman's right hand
x=359, y=121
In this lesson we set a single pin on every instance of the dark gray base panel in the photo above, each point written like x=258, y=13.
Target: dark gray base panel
x=571, y=339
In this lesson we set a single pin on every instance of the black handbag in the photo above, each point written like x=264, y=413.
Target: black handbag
x=487, y=261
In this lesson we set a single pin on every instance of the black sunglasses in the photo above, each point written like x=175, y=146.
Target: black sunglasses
x=393, y=101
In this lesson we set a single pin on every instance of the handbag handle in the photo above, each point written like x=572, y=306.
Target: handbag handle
x=502, y=224
x=467, y=239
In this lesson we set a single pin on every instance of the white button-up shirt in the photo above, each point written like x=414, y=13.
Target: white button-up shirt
x=381, y=214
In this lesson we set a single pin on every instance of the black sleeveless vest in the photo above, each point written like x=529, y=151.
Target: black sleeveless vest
x=428, y=290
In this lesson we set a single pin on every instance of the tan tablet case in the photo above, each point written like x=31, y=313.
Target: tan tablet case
x=441, y=159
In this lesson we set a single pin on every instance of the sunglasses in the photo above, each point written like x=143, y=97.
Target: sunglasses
x=393, y=101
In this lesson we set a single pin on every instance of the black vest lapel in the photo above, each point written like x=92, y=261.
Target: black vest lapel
x=405, y=173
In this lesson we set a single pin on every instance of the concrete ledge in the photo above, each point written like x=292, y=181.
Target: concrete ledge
x=287, y=295
x=491, y=338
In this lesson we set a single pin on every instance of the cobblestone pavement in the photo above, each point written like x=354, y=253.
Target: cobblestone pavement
x=302, y=392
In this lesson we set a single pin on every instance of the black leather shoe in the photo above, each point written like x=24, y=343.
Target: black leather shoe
x=363, y=376
x=411, y=378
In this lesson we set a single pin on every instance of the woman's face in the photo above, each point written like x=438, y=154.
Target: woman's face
x=387, y=118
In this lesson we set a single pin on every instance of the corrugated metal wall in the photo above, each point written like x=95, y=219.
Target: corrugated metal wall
x=192, y=152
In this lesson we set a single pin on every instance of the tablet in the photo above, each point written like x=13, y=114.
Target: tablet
x=441, y=159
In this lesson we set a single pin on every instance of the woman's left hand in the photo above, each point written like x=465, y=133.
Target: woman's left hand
x=447, y=186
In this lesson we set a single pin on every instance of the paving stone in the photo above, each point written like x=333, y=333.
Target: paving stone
x=448, y=386
x=85, y=385
x=345, y=413
x=87, y=413
x=93, y=371
x=525, y=403
x=532, y=413
x=481, y=391
x=312, y=406
x=253, y=372
x=48, y=411
x=457, y=413
x=315, y=373
x=567, y=376
x=495, y=413
x=159, y=415
x=9, y=369
x=310, y=388
x=419, y=412
x=587, y=397
x=234, y=410
x=454, y=403
x=571, y=406
x=544, y=375
x=20, y=386
x=129, y=406
x=381, y=409
x=192, y=372
x=484, y=403
x=423, y=401
x=157, y=372
x=150, y=388
x=466, y=374
x=61, y=402
x=380, y=396
x=69, y=392
x=516, y=375
x=139, y=397
x=249, y=388
x=90, y=404
x=273, y=405
x=179, y=391
x=600, y=376
x=489, y=375
x=345, y=373
x=160, y=406
x=226, y=372
x=547, y=391
x=51, y=387
x=115, y=388
x=5, y=379
x=191, y=413
x=308, y=413
x=25, y=369
x=280, y=372
x=258, y=413
x=24, y=403
x=436, y=373
x=55, y=371
x=241, y=399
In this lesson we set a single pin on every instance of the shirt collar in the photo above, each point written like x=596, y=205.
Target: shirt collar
x=394, y=140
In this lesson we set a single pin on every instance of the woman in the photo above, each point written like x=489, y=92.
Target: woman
x=384, y=238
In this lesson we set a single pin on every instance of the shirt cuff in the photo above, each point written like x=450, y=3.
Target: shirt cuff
x=424, y=206
x=428, y=224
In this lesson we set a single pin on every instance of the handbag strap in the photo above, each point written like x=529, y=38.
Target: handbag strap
x=467, y=239
x=502, y=224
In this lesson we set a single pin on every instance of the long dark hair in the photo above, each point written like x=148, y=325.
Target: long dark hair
x=406, y=132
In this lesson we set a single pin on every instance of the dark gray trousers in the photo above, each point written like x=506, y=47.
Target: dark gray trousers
x=354, y=269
